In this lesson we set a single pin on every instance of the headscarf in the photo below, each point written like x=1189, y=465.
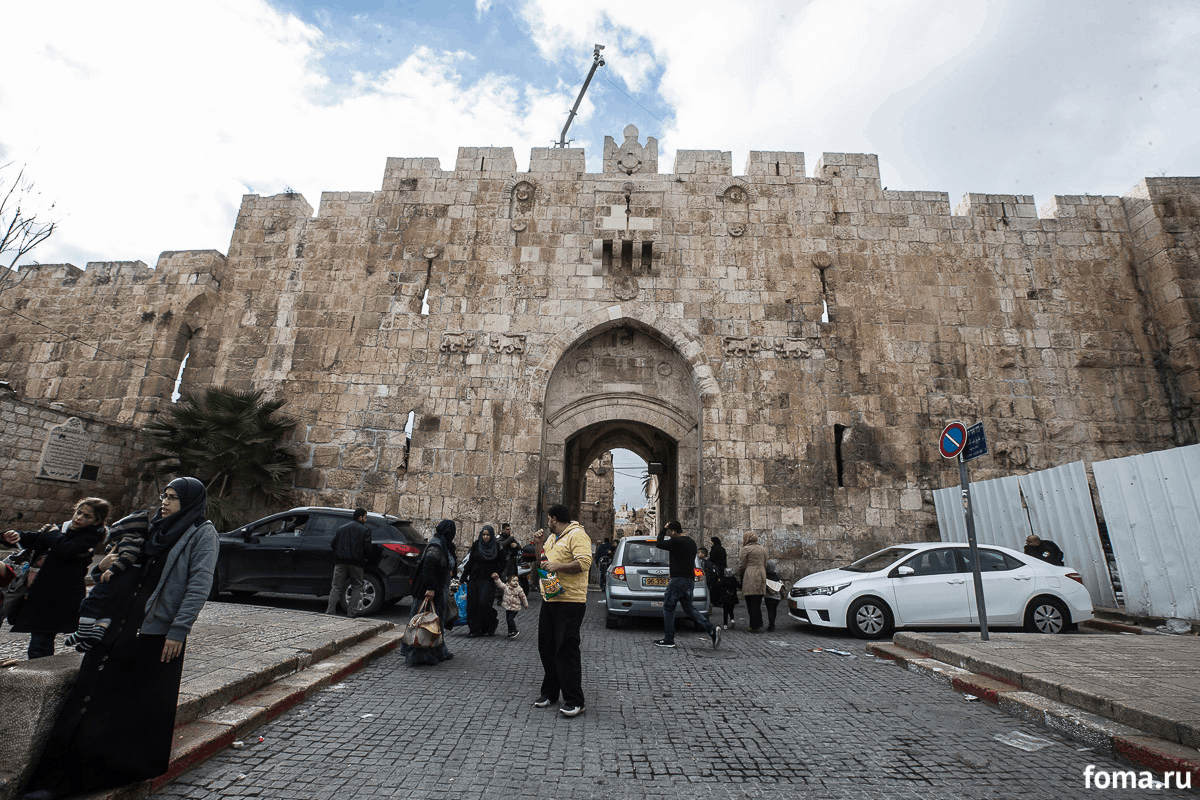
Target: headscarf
x=750, y=538
x=488, y=550
x=771, y=569
x=165, y=531
x=444, y=532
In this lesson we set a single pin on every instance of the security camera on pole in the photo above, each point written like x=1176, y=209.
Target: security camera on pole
x=957, y=441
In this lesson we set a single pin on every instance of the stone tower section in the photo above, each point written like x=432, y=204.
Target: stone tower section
x=782, y=346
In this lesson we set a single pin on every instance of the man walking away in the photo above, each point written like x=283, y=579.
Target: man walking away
x=352, y=552
x=682, y=552
x=566, y=553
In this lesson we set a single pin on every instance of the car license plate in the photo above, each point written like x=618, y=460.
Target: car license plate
x=654, y=581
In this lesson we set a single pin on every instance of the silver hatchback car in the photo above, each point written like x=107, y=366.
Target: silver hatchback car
x=637, y=582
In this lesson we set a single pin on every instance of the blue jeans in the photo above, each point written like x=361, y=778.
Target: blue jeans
x=679, y=591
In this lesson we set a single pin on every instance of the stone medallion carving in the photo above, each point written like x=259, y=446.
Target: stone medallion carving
x=664, y=368
x=821, y=260
x=522, y=197
x=583, y=366
x=626, y=287
x=432, y=252
x=734, y=195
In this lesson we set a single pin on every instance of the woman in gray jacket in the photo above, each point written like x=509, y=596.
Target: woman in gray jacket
x=116, y=725
x=752, y=574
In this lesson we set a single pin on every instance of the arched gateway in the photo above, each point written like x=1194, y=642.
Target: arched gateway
x=624, y=382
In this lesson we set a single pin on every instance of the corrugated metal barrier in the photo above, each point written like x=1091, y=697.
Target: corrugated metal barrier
x=1152, y=508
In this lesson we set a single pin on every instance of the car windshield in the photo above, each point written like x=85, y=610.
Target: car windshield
x=644, y=555
x=877, y=561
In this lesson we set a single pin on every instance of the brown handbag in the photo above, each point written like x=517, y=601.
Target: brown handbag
x=424, y=630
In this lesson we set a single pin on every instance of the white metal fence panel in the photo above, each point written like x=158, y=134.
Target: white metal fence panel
x=1152, y=507
x=999, y=517
x=1060, y=510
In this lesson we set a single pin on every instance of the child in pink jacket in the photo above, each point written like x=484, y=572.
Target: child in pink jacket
x=514, y=600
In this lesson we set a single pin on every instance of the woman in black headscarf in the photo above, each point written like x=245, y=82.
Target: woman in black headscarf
x=116, y=725
x=431, y=581
x=484, y=561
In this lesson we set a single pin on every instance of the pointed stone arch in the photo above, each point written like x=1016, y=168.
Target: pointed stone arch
x=617, y=378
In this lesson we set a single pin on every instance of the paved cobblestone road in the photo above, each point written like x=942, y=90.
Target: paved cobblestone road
x=760, y=717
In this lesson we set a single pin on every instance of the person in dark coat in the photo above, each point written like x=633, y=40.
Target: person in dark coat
x=1044, y=550
x=773, y=596
x=116, y=725
x=717, y=555
x=484, y=559
x=727, y=596
x=51, y=603
x=510, y=550
x=352, y=554
x=431, y=581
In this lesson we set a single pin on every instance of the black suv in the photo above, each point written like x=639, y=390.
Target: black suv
x=291, y=553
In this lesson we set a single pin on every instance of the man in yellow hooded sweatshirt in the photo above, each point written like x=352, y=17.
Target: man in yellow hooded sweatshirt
x=567, y=552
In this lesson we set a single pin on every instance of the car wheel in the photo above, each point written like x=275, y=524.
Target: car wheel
x=611, y=621
x=869, y=618
x=372, y=596
x=1047, y=615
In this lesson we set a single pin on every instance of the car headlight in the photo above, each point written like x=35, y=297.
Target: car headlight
x=819, y=590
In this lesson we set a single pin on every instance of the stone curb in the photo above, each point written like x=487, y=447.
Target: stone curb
x=1100, y=733
x=201, y=738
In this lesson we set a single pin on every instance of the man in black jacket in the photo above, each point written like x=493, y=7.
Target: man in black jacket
x=352, y=552
x=1043, y=549
x=679, y=587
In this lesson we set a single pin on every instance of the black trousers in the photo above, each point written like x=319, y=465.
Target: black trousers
x=754, y=609
x=558, y=647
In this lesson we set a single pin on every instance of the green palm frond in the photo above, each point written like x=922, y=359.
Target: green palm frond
x=233, y=441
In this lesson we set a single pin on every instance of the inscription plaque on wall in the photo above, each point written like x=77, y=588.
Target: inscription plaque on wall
x=65, y=450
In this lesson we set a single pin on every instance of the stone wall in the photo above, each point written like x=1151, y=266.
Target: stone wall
x=29, y=501
x=789, y=346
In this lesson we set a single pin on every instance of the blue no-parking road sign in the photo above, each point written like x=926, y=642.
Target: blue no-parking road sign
x=953, y=439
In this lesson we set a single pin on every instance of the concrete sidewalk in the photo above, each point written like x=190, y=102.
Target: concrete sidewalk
x=244, y=666
x=1137, y=697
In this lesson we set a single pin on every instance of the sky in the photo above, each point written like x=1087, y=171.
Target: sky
x=143, y=123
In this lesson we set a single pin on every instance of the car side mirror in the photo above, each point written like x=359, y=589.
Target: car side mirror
x=904, y=572
x=246, y=535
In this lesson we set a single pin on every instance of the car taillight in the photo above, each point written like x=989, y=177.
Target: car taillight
x=699, y=574
x=1075, y=576
x=618, y=573
x=402, y=549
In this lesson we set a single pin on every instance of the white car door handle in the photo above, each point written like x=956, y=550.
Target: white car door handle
x=1022, y=577
x=958, y=581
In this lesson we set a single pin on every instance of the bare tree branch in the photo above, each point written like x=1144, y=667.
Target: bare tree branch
x=20, y=229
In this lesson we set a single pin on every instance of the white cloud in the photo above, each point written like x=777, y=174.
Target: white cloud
x=147, y=121
x=147, y=124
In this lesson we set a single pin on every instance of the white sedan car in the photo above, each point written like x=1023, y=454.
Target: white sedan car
x=930, y=585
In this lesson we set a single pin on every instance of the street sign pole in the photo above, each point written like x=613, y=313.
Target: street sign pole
x=966, y=496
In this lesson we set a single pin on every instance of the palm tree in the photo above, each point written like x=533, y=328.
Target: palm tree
x=233, y=441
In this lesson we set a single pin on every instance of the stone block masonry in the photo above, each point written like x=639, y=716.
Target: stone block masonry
x=787, y=346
